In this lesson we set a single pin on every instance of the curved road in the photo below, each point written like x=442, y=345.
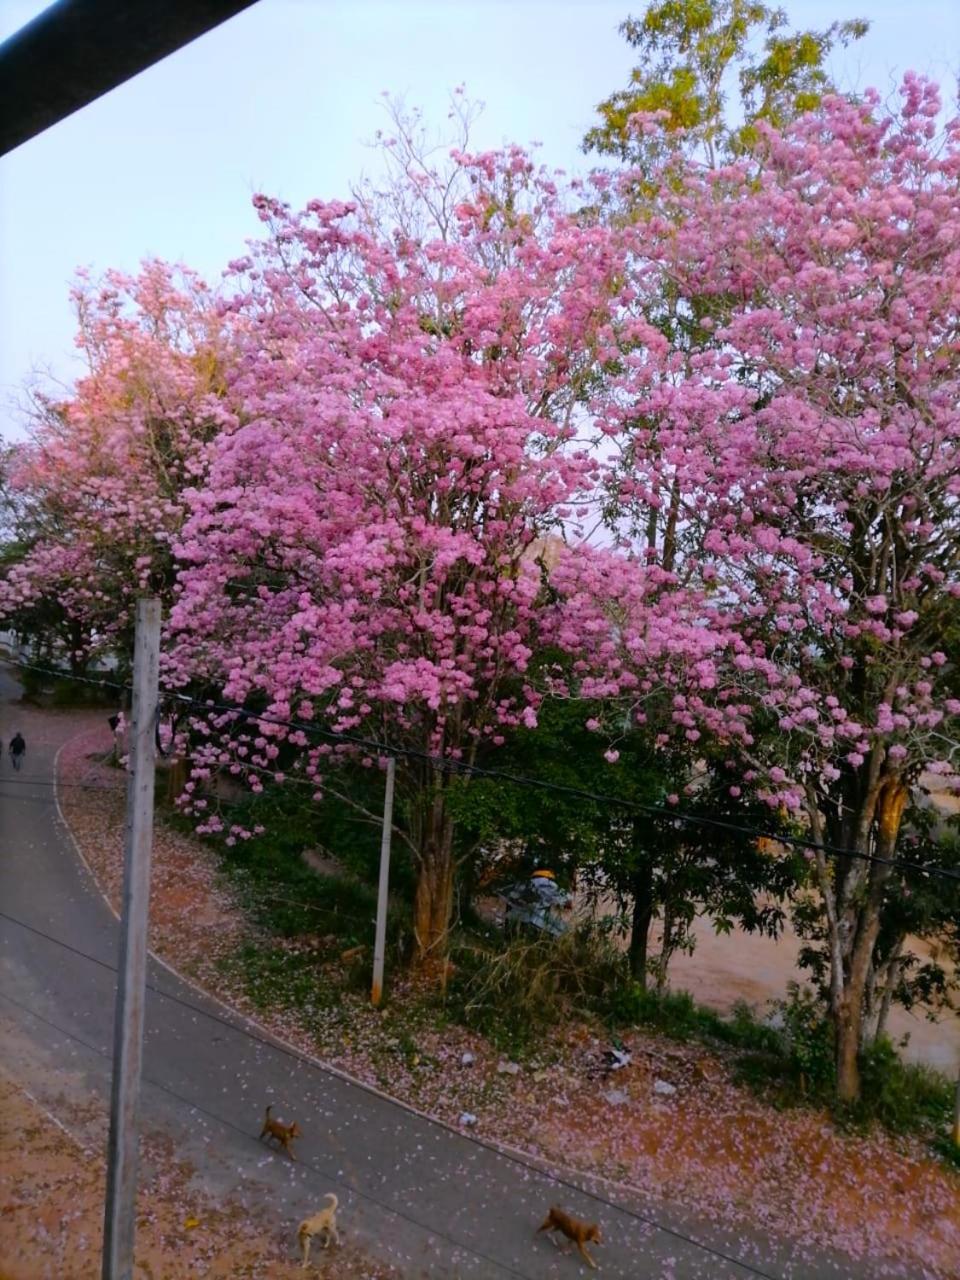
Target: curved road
x=432, y=1202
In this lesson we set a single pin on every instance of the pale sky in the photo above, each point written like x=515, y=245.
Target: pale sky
x=283, y=99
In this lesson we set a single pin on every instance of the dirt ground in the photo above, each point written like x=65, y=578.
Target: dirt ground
x=725, y=969
x=51, y=1209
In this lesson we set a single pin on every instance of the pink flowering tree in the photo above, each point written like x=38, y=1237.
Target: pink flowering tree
x=805, y=437
x=96, y=492
x=371, y=552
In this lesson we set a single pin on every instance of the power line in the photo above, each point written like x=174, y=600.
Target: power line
x=63, y=675
x=452, y=765
x=302, y=1059
x=309, y=1164
x=49, y=782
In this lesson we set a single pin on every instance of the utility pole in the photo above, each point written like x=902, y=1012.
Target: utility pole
x=379, y=946
x=956, y=1114
x=122, y=1147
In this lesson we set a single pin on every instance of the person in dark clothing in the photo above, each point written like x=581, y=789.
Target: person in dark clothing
x=18, y=749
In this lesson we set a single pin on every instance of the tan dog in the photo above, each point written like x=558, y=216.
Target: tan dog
x=322, y=1224
x=578, y=1232
x=282, y=1133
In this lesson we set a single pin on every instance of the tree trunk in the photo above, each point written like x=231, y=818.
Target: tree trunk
x=894, y=965
x=433, y=900
x=891, y=802
x=670, y=532
x=868, y=1022
x=78, y=657
x=178, y=774
x=666, y=949
x=643, y=905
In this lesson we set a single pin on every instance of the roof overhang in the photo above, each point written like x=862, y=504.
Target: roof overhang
x=77, y=50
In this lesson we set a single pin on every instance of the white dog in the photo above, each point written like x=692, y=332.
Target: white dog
x=322, y=1224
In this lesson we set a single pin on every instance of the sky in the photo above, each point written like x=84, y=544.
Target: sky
x=285, y=98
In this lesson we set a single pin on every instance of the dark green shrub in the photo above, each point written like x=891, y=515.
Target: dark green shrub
x=807, y=1041
x=675, y=1014
x=947, y=1149
x=62, y=692
x=901, y=1096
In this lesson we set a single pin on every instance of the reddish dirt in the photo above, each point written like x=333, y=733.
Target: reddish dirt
x=51, y=1211
x=715, y=1145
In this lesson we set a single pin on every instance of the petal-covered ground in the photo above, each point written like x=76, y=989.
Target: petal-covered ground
x=672, y=1124
x=51, y=1209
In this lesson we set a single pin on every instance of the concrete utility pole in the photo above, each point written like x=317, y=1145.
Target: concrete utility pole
x=379, y=946
x=122, y=1147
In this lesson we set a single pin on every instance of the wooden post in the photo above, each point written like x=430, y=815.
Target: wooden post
x=122, y=1147
x=380, y=942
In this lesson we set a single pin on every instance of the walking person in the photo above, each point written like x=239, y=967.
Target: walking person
x=18, y=749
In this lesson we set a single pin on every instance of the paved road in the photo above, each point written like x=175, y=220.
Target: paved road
x=433, y=1202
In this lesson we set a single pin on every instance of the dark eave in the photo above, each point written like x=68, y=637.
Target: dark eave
x=79, y=49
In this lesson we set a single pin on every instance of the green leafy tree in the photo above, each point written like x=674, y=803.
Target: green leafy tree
x=691, y=53
x=602, y=830
x=53, y=632
x=917, y=908
x=691, y=866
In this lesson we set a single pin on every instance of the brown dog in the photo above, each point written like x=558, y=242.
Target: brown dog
x=282, y=1133
x=579, y=1232
x=322, y=1224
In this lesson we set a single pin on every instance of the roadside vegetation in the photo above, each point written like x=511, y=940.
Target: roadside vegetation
x=309, y=949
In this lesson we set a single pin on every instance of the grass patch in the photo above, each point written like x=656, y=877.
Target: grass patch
x=904, y=1097
x=280, y=977
x=513, y=993
x=286, y=898
x=677, y=1015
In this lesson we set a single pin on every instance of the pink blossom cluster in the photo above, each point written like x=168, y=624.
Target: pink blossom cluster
x=805, y=436
x=363, y=476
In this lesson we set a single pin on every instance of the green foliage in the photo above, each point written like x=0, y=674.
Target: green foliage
x=306, y=920
x=807, y=1041
x=947, y=1149
x=797, y=1064
x=689, y=53
x=651, y=864
x=675, y=1014
x=512, y=994
x=548, y=826
x=914, y=906
x=288, y=899
x=63, y=692
x=901, y=1096
x=276, y=977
